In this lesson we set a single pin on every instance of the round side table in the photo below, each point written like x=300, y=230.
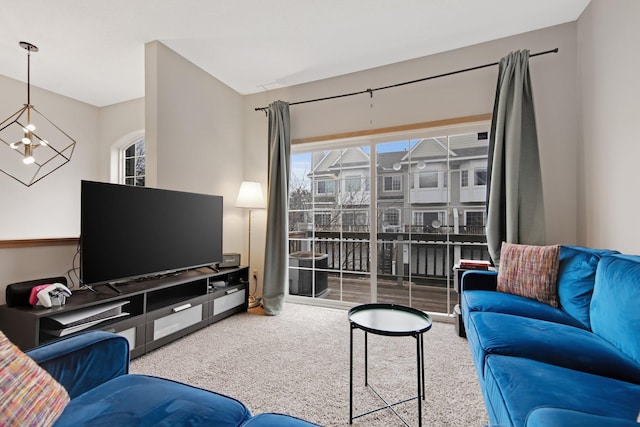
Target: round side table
x=390, y=320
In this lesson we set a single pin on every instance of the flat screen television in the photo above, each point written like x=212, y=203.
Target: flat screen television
x=129, y=232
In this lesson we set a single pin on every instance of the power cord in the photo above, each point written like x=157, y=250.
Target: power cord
x=74, y=270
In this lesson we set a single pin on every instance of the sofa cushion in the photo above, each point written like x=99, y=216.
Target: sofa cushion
x=513, y=304
x=29, y=396
x=517, y=385
x=553, y=343
x=138, y=400
x=545, y=417
x=615, y=313
x=576, y=279
x=529, y=271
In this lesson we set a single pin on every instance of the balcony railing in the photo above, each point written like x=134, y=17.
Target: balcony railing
x=420, y=254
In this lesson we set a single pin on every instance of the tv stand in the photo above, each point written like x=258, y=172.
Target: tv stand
x=158, y=311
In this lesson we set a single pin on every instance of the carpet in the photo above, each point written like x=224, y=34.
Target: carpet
x=298, y=363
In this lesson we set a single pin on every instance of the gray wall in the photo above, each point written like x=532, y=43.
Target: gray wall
x=194, y=125
x=608, y=35
x=555, y=97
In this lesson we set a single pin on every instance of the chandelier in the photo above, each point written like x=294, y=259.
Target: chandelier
x=26, y=155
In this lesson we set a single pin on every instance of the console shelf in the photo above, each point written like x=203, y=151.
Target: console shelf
x=158, y=310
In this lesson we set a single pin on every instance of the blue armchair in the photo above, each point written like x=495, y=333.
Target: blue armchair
x=94, y=369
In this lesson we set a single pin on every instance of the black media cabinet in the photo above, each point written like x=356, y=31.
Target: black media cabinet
x=159, y=310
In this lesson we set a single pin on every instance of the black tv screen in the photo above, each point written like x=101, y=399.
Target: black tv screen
x=131, y=232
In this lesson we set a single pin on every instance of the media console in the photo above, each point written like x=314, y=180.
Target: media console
x=148, y=313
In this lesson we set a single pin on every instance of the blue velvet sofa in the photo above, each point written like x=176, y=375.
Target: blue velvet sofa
x=93, y=368
x=575, y=365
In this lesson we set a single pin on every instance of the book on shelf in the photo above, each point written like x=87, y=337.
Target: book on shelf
x=474, y=264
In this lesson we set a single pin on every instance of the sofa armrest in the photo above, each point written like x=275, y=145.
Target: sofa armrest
x=479, y=280
x=84, y=361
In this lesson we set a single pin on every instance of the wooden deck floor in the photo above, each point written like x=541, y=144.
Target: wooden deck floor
x=357, y=290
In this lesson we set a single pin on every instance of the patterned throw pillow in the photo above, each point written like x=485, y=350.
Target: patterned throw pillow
x=529, y=271
x=29, y=396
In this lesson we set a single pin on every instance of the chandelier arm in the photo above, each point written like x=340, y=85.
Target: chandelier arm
x=11, y=118
x=53, y=124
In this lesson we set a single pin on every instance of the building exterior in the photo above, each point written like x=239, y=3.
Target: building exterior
x=436, y=185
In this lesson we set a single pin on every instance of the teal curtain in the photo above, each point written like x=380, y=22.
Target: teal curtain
x=515, y=209
x=277, y=241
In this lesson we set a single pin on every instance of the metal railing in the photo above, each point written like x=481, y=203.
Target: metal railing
x=425, y=258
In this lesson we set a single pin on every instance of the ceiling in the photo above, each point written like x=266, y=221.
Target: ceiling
x=93, y=50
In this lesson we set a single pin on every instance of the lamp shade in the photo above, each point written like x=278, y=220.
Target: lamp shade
x=250, y=196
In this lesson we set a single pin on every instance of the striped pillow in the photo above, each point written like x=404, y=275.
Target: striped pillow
x=29, y=396
x=530, y=271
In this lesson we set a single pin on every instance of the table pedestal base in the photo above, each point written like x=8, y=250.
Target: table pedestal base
x=420, y=380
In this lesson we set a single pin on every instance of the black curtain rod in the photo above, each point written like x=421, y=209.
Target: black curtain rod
x=370, y=91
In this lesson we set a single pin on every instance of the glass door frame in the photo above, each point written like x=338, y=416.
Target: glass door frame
x=371, y=141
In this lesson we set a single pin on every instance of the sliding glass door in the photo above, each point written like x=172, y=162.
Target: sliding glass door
x=329, y=211
x=384, y=219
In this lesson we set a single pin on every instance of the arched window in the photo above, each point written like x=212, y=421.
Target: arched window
x=132, y=171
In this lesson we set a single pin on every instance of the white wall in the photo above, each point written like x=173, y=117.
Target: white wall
x=555, y=97
x=195, y=124
x=608, y=35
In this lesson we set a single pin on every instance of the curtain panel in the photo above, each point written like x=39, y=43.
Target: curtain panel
x=515, y=209
x=277, y=244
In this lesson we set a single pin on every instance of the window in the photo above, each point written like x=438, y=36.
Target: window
x=464, y=178
x=474, y=222
x=425, y=218
x=480, y=176
x=391, y=217
x=474, y=218
x=326, y=187
x=428, y=180
x=133, y=164
x=350, y=219
x=392, y=183
x=395, y=225
x=322, y=219
x=352, y=184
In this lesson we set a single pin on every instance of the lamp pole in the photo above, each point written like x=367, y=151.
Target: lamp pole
x=249, y=248
x=250, y=197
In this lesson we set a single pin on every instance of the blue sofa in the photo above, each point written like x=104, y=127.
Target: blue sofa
x=575, y=365
x=93, y=368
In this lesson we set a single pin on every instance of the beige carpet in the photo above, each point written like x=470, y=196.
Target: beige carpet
x=298, y=363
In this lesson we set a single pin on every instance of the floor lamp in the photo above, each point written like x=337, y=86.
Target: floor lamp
x=250, y=197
